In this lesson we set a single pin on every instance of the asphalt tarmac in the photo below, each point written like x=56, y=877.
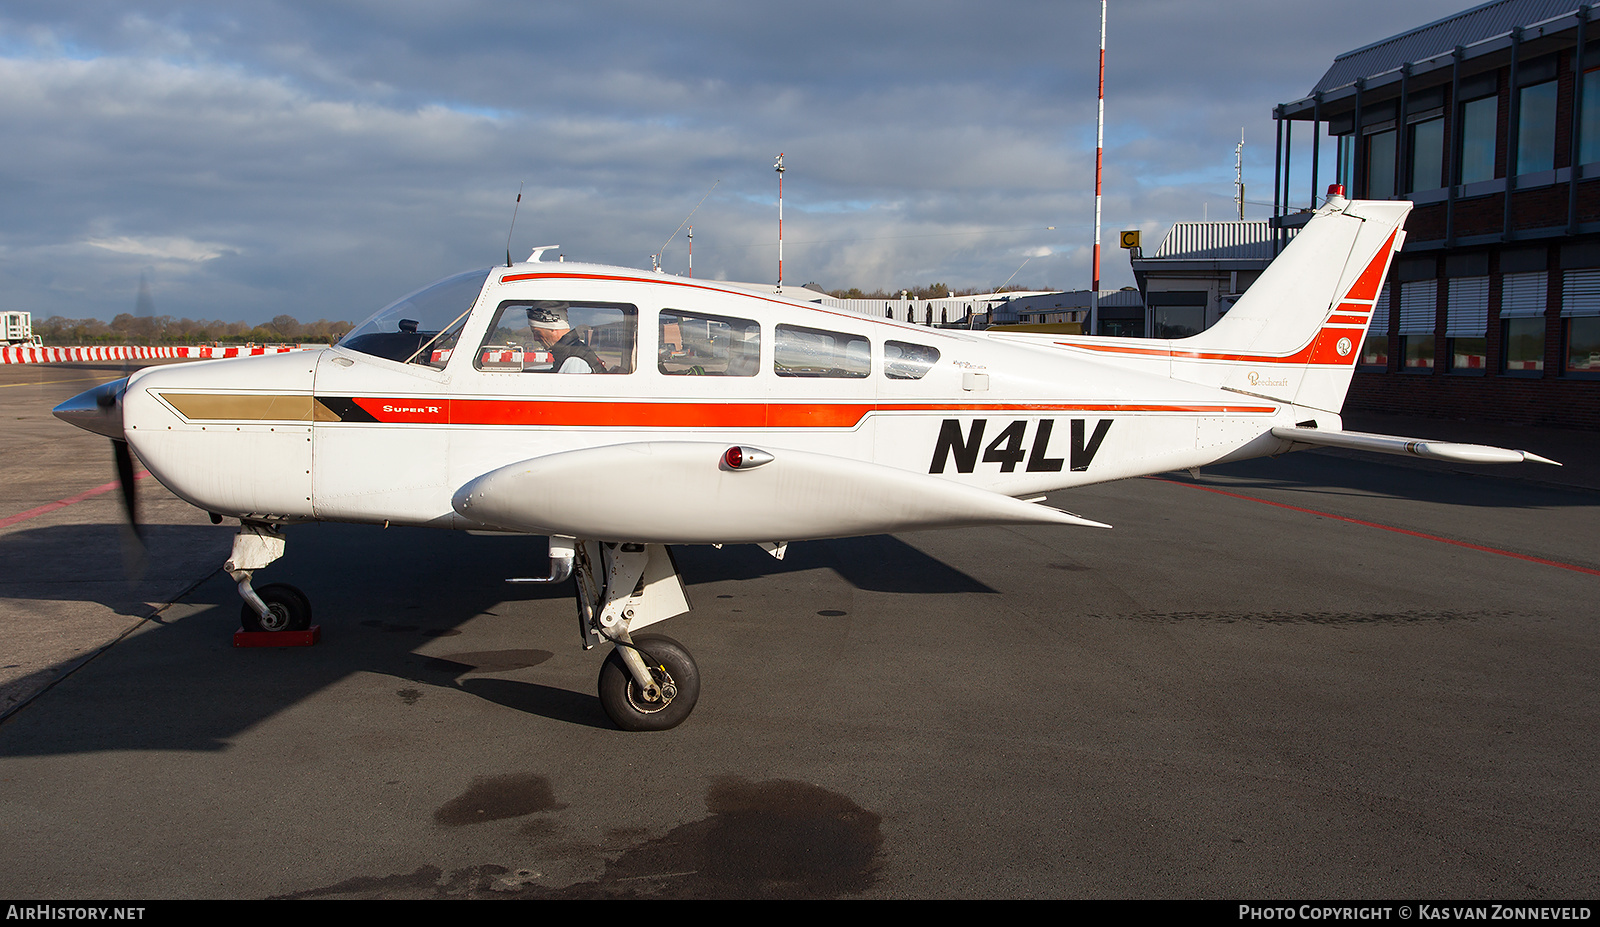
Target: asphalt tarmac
x=1323, y=676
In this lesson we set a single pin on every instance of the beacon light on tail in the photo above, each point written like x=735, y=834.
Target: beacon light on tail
x=619, y=412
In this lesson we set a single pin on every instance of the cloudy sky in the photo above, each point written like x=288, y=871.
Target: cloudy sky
x=250, y=159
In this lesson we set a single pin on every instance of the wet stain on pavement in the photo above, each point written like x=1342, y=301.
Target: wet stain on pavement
x=494, y=798
x=775, y=839
x=771, y=839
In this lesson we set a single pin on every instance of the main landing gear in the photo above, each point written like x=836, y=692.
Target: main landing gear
x=648, y=682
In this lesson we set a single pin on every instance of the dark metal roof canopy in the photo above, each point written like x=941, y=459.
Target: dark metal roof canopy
x=1482, y=30
x=1487, y=21
x=1376, y=85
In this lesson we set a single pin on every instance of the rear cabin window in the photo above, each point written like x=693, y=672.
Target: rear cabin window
x=905, y=361
x=813, y=352
x=699, y=345
x=558, y=336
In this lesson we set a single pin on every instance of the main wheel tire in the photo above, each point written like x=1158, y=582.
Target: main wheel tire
x=289, y=608
x=674, y=670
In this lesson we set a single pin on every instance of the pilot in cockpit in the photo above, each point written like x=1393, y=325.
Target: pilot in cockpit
x=569, y=352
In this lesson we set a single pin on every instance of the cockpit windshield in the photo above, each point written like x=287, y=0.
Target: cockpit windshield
x=421, y=328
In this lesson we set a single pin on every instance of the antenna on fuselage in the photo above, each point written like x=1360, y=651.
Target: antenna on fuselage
x=655, y=259
x=513, y=222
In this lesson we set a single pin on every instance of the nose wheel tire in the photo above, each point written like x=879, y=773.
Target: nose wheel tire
x=675, y=675
x=287, y=607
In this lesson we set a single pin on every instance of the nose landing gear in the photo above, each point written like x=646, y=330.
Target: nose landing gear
x=274, y=607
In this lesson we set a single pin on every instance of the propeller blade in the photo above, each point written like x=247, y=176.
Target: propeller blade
x=130, y=502
x=134, y=556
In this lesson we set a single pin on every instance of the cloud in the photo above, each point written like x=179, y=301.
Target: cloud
x=279, y=156
x=166, y=249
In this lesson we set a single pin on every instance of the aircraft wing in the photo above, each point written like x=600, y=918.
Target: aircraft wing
x=1413, y=447
x=671, y=492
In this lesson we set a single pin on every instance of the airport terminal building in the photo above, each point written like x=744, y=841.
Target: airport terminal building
x=1489, y=121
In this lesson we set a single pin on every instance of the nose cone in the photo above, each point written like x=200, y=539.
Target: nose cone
x=98, y=410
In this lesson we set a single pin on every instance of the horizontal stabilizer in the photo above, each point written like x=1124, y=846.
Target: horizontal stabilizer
x=701, y=493
x=1410, y=447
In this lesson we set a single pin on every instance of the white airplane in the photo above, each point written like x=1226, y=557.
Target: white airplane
x=522, y=398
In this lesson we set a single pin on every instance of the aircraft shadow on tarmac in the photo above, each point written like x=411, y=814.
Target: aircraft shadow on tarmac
x=1325, y=473
x=387, y=593
x=100, y=563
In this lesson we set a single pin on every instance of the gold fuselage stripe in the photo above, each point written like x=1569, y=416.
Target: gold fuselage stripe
x=237, y=407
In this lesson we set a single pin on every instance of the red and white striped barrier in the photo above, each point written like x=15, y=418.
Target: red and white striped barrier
x=495, y=358
x=30, y=354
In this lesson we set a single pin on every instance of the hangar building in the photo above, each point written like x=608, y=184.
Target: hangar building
x=1489, y=120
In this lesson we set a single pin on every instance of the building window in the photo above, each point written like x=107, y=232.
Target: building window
x=1589, y=136
x=1583, y=346
x=1178, y=321
x=1419, y=353
x=1477, y=139
x=1536, y=128
x=1522, y=299
x=1580, y=323
x=1524, y=346
x=1375, y=349
x=1380, y=165
x=1177, y=313
x=1467, y=324
x=1427, y=154
x=1347, y=163
x=1418, y=304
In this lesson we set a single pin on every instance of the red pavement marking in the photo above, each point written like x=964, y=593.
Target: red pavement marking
x=1372, y=524
x=63, y=503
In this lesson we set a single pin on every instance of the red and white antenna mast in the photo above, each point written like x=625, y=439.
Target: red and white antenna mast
x=1099, y=160
x=779, y=168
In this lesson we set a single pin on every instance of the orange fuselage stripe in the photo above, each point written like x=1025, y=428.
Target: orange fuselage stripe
x=629, y=414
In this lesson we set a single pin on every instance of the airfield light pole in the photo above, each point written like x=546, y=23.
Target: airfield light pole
x=1099, y=159
x=1238, y=175
x=779, y=168
x=691, y=252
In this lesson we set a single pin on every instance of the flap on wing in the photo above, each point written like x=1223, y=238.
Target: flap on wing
x=1412, y=447
x=669, y=492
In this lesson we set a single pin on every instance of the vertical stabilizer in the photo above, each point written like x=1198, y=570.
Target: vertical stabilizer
x=1296, y=334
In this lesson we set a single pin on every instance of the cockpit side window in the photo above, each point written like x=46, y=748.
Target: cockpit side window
x=814, y=352
x=421, y=328
x=560, y=336
x=905, y=361
x=693, y=344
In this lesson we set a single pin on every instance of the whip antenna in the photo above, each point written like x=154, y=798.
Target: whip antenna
x=686, y=222
x=513, y=222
